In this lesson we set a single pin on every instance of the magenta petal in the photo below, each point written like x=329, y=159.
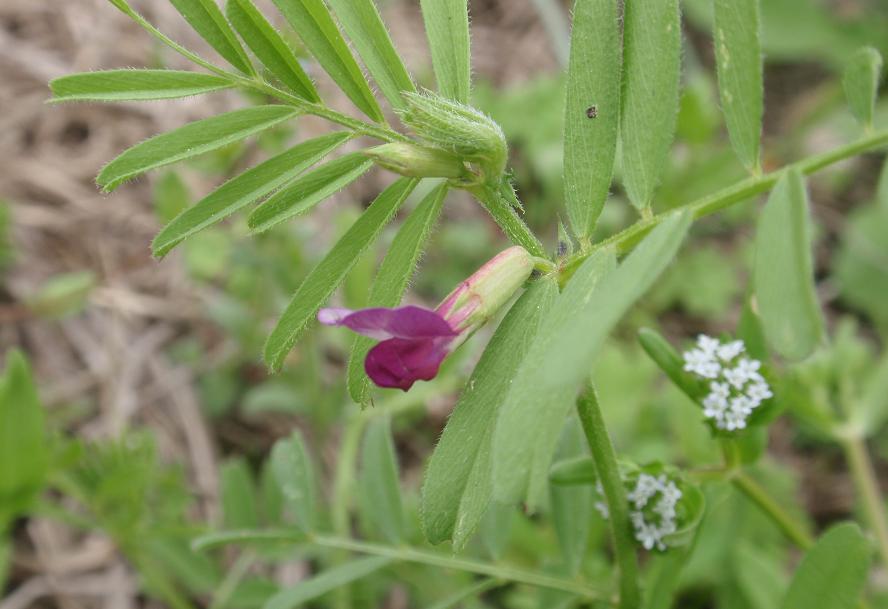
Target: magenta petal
x=398, y=363
x=408, y=322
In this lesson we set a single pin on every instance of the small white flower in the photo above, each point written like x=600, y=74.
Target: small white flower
x=707, y=344
x=759, y=391
x=701, y=363
x=729, y=351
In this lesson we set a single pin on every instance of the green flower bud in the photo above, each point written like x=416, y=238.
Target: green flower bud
x=417, y=161
x=471, y=135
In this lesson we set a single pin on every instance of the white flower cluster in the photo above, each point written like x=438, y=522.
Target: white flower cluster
x=652, y=509
x=736, y=387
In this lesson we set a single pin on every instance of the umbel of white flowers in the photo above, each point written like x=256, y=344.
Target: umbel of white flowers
x=736, y=387
x=652, y=503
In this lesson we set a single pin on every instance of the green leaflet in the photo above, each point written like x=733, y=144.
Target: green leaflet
x=739, y=62
x=380, y=491
x=134, y=85
x=572, y=505
x=592, y=111
x=361, y=21
x=313, y=23
x=392, y=279
x=326, y=581
x=833, y=573
x=238, y=495
x=309, y=190
x=861, y=83
x=447, y=28
x=271, y=49
x=24, y=456
x=560, y=359
x=331, y=271
x=784, y=276
x=208, y=21
x=457, y=486
x=651, y=69
x=245, y=189
x=191, y=140
x=293, y=471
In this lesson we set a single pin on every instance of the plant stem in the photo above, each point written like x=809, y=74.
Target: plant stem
x=508, y=219
x=865, y=480
x=609, y=474
x=436, y=559
x=626, y=239
x=772, y=509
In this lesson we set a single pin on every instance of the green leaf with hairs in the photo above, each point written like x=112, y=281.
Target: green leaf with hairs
x=651, y=70
x=447, y=28
x=560, y=360
x=361, y=21
x=592, y=112
x=380, y=491
x=833, y=573
x=738, y=52
x=237, y=494
x=393, y=278
x=457, y=487
x=314, y=24
x=270, y=47
x=309, y=190
x=245, y=189
x=861, y=83
x=784, y=271
x=134, y=85
x=208, y=21
x=326, y=581
x=191, y=140
x=323, y=280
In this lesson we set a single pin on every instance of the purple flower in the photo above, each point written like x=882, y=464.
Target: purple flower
x=414, y=341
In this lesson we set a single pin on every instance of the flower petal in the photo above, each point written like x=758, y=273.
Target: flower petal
x=408, y=322
x=398, y=363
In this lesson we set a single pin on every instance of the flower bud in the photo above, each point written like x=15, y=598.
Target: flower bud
x=478, y=298
x=417, y=161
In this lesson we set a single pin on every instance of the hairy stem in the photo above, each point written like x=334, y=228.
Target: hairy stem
x=609, y=474
x=626, y=239
x=405, y=554
x=508, y=219
x=864, y=476
x=758, y=495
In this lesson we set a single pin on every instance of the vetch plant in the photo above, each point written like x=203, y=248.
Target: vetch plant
x=499, y=447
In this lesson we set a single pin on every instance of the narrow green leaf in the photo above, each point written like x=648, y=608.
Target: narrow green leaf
x=24, y=457
x=325, y=582
x=380, y=496
x=592, y=112
x=245, y=189
x=447, y=28
x=495, y=528
x=468, y=592
x=392, y=279
x=208, y=21
x=579, y=470
x=238, y=495
x=313, y=23
x=651, y=69
x=784, y=276
x=292, y=468
x=833, y=573
x=759, y=575
x=670, y=362
x=361, y=21
x=572, y=505
x=271, y=49
x=737, y=33
x=861, y=83
x=309, y=190
x=191, y=140
x=457, y=486
x=134, y=85
x=559, y=361
x=331, y=271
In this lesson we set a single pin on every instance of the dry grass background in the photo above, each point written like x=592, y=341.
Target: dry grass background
x=111, y=357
